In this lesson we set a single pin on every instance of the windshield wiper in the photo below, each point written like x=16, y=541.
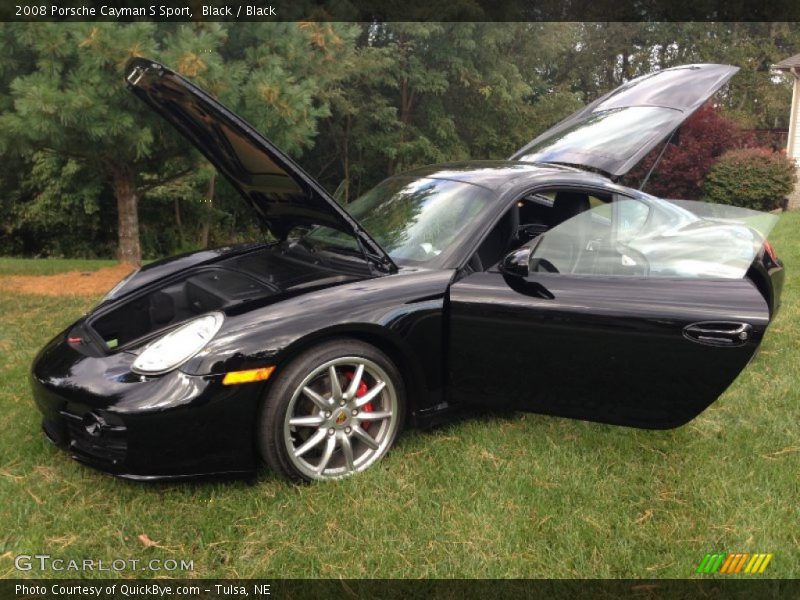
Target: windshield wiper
x=375, y=259
x=366, y=248
x=302, y=248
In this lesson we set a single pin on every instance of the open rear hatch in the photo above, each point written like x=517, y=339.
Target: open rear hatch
x=613, y=133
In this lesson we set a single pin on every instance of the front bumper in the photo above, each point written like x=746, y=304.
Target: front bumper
x=172, y=426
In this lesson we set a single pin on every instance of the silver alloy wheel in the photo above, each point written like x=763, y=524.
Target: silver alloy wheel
x=341, y=419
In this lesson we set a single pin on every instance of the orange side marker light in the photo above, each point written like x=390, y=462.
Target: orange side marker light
x=248, y=376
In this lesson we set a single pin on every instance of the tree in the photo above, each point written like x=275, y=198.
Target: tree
x=419, y=93
x=71, y=100
x=84, y=162
x=74, y=105
x=607, y=54
x=755, y=97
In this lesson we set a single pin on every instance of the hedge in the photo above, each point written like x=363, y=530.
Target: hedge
x=756, y=178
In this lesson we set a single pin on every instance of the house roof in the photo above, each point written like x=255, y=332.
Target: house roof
x=788, y=63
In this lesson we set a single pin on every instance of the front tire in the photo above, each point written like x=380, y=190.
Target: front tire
x=333, y=411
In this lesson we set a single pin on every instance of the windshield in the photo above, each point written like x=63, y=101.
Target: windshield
x=413, y=219
x=650, y=237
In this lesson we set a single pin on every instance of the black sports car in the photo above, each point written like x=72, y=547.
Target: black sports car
x=534, y=283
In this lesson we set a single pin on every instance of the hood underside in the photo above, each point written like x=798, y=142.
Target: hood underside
x=281, y=193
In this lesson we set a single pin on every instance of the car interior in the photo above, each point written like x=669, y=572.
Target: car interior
x=528, y=218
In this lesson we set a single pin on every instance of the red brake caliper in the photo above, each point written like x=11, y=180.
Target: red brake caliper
x=362, y=389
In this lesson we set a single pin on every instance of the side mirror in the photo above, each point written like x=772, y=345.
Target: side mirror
x=517, y=262
x=516, y=267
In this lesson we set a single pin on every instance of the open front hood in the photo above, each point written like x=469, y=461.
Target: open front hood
x=616, y=131
x=282, y=194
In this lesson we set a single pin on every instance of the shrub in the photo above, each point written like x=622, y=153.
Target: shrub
x=756, y=178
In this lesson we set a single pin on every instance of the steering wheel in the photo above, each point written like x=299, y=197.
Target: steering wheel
x=529, y=231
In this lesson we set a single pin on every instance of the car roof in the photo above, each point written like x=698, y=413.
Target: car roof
x=499, y=175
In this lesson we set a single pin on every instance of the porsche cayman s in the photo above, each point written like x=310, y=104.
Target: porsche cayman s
x=535, y=283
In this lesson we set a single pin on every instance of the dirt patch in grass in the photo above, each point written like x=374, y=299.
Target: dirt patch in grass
x=72, y=283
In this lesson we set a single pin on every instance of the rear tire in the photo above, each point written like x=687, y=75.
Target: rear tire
x=333, y=411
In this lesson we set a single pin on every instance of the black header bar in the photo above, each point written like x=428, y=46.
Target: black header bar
x=402, y=10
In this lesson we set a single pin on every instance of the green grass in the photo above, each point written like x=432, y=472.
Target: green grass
x=49, y=266
x=523, y=496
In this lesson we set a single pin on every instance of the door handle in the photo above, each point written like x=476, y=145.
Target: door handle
x=719, y=333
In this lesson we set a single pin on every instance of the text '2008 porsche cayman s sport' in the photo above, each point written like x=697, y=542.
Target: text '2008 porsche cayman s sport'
x=535, y=283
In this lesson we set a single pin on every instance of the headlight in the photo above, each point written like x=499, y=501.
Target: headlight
x=178, y=346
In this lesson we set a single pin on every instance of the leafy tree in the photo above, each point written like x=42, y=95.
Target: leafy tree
x=72, y=101
x=606, y=54
x=63, y=198
x=755, y=97
x=419, y=93
x=74, y=105
x=352, y=102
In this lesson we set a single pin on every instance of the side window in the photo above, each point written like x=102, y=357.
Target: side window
x=595, y=238
x=647, y=237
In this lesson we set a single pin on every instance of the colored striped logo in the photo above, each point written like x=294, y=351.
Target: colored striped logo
x=733, y=563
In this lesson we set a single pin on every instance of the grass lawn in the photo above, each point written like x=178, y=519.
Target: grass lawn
x=523, y=496
x=49, y=266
